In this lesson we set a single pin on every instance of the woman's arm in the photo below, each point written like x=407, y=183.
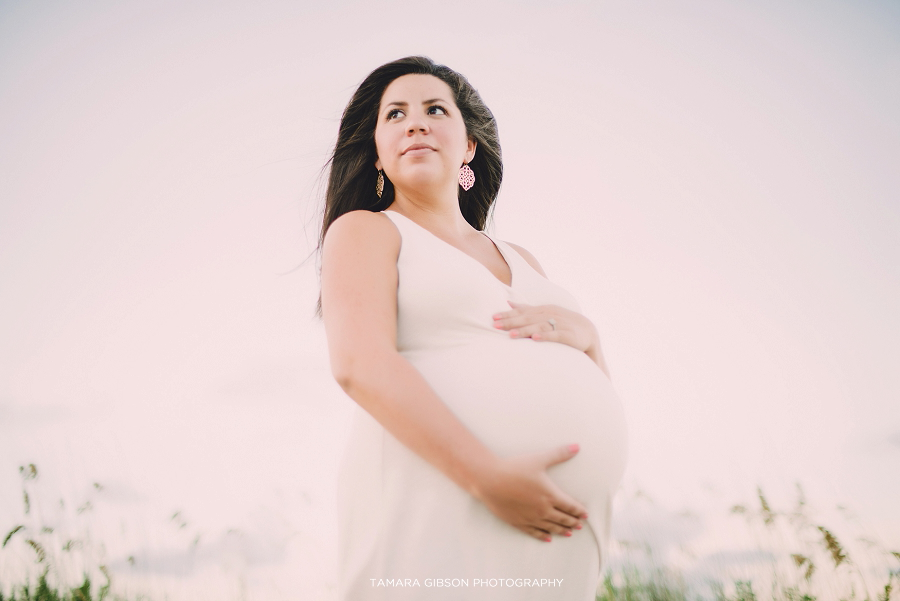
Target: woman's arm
x=359, y=307
x=532, y=321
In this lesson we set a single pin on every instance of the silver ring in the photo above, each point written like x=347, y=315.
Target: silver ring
x=552, y=323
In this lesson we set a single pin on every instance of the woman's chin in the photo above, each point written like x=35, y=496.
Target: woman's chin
x=422, y=181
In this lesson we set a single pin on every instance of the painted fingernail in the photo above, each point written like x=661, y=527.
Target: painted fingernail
x=578, y=527
x=547, y=540
x=514, y=333
x=535, y=336
x=573, y=448
x=568, y=533
x=497, y=324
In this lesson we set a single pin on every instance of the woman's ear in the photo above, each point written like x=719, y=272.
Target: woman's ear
x=470, y=150
x=378, y=164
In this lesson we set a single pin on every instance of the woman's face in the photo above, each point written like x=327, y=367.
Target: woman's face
x=420, y=136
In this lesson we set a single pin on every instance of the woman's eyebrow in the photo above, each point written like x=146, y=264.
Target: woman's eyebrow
x=401, y=103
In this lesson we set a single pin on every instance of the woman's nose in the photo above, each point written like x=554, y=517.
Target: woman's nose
x=417, y=124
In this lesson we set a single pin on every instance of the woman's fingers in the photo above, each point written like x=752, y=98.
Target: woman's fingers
x=560, y=522
x=515, y=320
x=557, y=522
x=564, y=521
x=537, y=533
x=527, y=321
x=559, y=454
x=524, y=326
x=539, y=331
x=568, y=516
x=522, y=494
x=566, y=327
x=564, y=502
x=570, y=507
x=555, y=528
x=521, y=313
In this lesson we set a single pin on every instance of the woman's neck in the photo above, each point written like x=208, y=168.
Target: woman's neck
x=437, y=212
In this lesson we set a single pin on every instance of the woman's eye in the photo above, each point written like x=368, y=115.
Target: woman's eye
x=394, y=113
x=433, y=108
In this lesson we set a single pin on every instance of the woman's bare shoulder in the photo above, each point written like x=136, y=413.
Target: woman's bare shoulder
x=363, y=229
x=529, y=258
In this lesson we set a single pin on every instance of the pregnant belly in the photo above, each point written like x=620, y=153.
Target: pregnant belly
x=522, y=396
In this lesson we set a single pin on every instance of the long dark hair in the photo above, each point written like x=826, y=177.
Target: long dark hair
x=352, y=173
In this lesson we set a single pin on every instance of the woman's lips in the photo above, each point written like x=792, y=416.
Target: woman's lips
x=418, y=150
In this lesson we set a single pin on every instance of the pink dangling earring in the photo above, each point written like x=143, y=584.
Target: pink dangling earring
x=466, y=177
x=379, y=183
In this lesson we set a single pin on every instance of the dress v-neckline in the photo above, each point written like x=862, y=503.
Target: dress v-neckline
x=512, y=276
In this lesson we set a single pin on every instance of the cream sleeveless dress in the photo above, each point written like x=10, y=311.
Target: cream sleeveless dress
x=406, y=531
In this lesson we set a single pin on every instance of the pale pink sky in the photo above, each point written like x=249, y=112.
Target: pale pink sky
x=715, y=182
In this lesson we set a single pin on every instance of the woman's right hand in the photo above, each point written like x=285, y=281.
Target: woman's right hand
x=518, y=491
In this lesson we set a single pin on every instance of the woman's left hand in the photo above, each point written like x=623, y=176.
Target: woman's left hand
x=567, y=327
x=533, y=321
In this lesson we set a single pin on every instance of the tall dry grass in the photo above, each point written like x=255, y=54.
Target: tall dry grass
x=799, y=558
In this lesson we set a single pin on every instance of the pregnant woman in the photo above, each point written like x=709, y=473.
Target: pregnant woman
x=488, y=441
